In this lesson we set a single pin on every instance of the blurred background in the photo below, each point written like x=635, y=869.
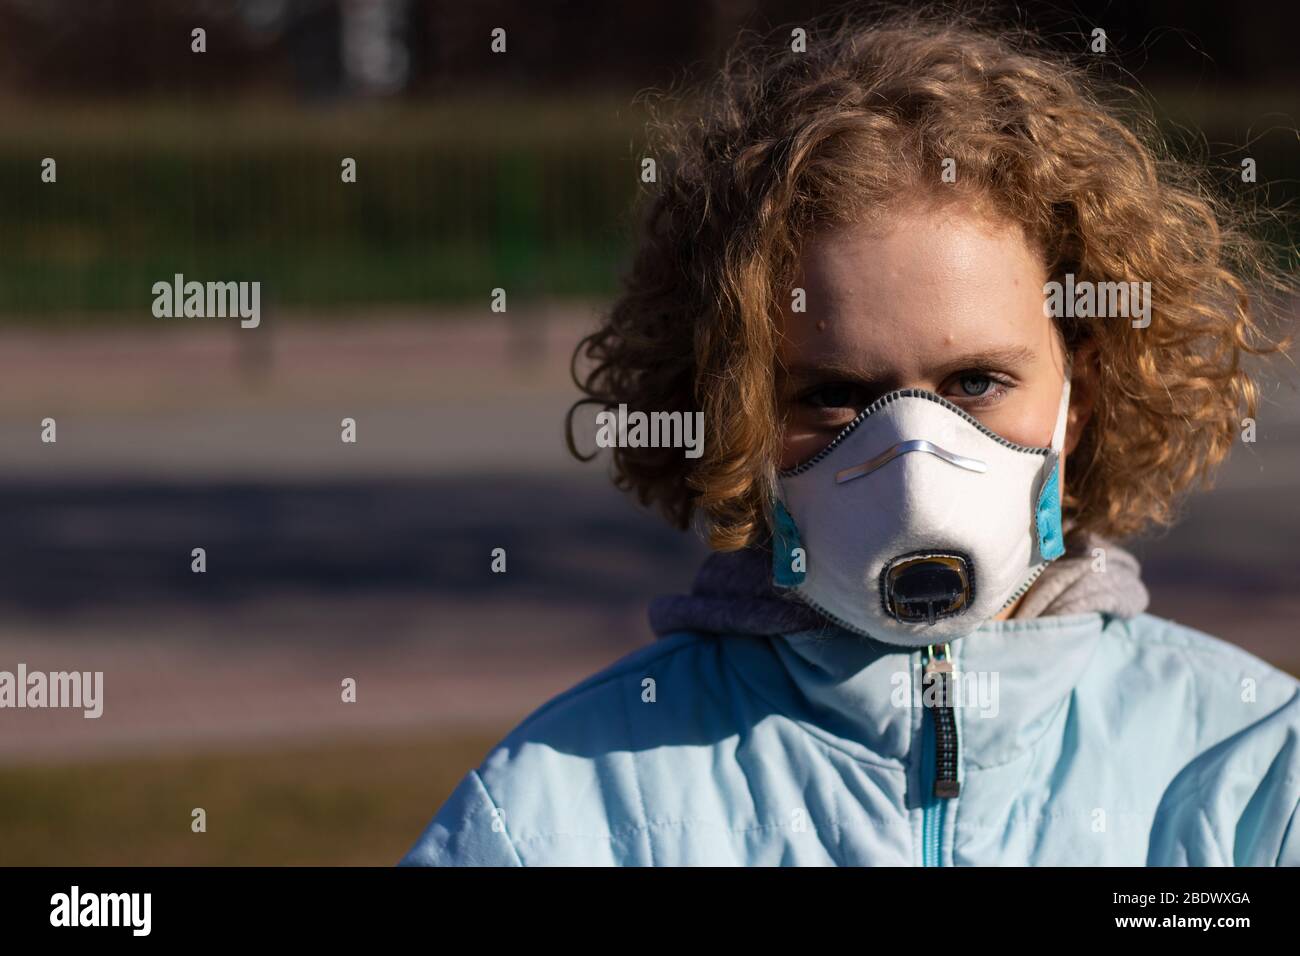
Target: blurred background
x=372, y=560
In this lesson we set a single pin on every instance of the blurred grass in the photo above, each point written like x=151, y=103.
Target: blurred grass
x=342, y=804
x=456, y=197
x=451, y=201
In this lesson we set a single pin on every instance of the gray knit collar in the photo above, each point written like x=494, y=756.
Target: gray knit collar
x=733, y=592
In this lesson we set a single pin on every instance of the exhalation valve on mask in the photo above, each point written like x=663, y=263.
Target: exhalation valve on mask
x=921, y=588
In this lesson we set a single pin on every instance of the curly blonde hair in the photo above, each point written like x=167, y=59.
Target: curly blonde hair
x=790, y=142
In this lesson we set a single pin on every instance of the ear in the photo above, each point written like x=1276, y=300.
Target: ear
x=1084, y=381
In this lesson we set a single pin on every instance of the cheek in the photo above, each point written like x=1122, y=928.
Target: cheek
x=1027, y=417
x=1028, y=414
x=800, y=443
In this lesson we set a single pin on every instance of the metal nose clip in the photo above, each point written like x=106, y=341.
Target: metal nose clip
x=903, y=448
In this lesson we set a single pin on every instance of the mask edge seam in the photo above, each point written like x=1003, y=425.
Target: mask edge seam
x=894, y=396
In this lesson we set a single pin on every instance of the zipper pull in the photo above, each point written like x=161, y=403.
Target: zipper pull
x=937, y=692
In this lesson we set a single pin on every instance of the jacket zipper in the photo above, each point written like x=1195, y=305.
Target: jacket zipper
x=940, y=750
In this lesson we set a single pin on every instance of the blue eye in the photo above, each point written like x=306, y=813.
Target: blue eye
x=978, y=389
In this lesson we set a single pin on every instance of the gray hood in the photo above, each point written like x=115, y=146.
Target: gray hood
x=733, y=593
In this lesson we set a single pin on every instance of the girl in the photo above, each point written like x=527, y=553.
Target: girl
x=916, y=643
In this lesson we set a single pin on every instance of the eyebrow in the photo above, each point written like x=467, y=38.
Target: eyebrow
x=1009, y=357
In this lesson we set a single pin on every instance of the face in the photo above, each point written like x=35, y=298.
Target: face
x=936, y=299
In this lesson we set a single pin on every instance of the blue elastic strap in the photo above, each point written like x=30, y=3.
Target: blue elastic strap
x=1051, y=540
x=785, y=538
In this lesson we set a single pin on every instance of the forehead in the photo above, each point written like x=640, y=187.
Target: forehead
x=920, y=287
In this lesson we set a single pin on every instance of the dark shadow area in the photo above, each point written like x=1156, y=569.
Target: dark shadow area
x=74, y=547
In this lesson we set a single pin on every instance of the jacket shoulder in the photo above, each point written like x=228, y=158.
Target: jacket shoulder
x=1234, y=802
x=1151, y=639
x=680, y=654
x=568, y=785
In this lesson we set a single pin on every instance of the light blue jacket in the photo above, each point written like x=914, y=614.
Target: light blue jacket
x=1084, y=739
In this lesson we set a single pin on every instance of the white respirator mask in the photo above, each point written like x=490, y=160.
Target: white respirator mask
x=917, y=524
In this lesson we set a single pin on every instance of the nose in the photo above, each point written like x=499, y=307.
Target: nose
x=926, y=586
